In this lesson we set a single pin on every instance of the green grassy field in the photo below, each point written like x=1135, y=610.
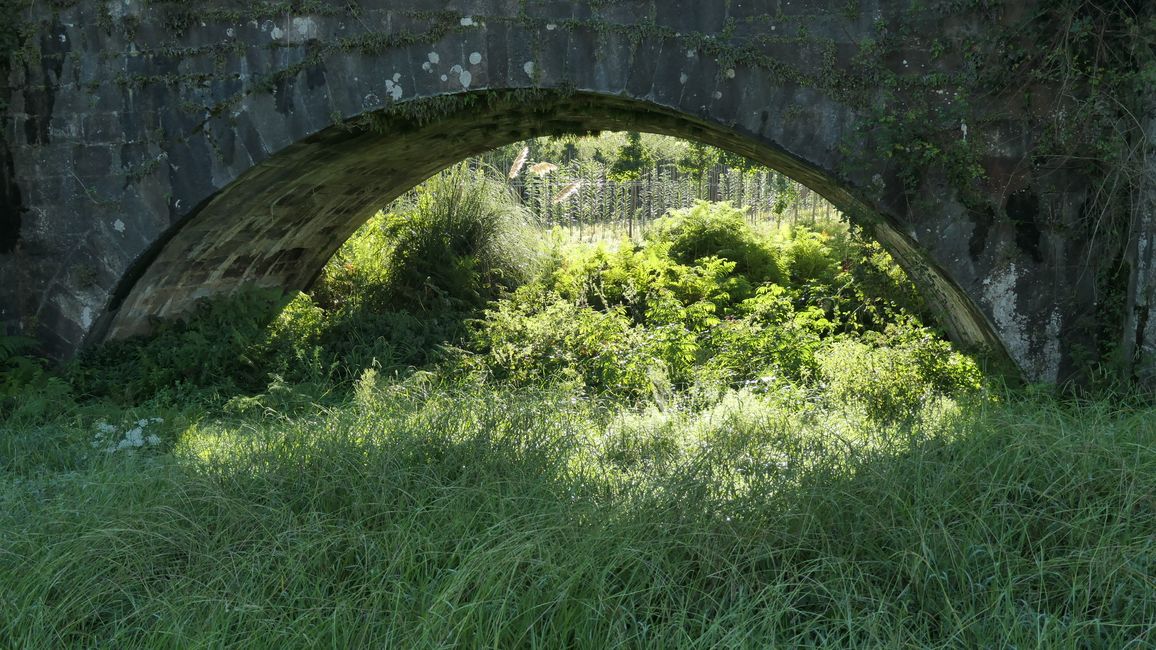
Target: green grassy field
x=426, y=514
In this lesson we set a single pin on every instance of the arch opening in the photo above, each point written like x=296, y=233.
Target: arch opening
x=278, y=224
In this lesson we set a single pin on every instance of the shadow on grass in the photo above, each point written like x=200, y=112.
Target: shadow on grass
x=240, y=345
x=426, y=516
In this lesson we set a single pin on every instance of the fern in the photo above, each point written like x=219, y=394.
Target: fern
x=26, y=387
x=12, y=346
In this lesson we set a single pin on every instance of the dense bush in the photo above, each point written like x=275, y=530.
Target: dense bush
x=873, y=291
x=717, y=230
x=642, y=320
x=561, y=342
x=455, y=242
x=224, y=346
x=772, y=341
x=28, y=391
x=809, y=258
x=894, y=380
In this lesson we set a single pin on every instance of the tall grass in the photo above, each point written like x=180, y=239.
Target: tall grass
x=424, y=514
x=456, y=241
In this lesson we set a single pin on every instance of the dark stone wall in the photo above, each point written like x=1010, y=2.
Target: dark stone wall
x=157, y=152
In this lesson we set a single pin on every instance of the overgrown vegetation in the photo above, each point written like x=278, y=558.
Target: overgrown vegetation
x=448, y=276
x=475, y=432
x=453, y=244
x=402, y=286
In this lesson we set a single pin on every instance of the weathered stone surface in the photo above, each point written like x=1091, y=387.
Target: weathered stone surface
x=154, y=155
x=1140, y=330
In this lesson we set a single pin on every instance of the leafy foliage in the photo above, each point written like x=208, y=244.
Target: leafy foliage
x=893, y=380
x=644, y=321
x=449, y=278
x=222, y=346
x=28, y=391
x=401, y=286
x=456, y=242
x=632, y=160
x=717, y=230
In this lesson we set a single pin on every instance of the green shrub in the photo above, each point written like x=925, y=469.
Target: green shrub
x=874, y=291
x=809, y=259
x=557, y=341
x=596, y=277
x=16, y=369
x=891, y=377
x=717, y=230
x=357, y=276
x=645, y=281
x=703, y=323
x=401, y=286
x=702, y=303
x=29, y=392
x=456, y=242
x=223, y=345
x=774, y=340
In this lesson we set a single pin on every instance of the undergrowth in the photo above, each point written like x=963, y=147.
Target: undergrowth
x=427, y=514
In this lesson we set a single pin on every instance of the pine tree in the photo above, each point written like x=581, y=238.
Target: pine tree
x=633, y=160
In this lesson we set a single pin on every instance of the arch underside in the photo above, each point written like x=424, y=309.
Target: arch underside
x=280, y=222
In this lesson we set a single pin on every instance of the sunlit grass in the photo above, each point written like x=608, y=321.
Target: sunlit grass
x=429, y=515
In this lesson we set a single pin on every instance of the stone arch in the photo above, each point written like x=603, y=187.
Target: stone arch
x=158, y=152
x=280, y=222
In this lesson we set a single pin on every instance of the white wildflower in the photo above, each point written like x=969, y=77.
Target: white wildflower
x=133, y=438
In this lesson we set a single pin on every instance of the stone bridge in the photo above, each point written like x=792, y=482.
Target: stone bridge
x=158, y=152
